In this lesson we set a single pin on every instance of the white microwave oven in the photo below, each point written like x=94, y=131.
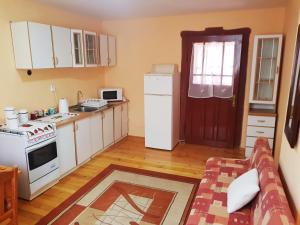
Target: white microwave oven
x=111, y=94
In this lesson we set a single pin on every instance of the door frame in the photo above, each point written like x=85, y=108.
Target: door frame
x=187, y=37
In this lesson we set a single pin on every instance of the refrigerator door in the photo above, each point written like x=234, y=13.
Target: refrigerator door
x=158, y=84
x=158, y=122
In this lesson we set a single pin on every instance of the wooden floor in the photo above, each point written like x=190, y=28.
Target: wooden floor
x=185, y=159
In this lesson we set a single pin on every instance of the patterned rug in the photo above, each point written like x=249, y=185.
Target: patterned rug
x=127, y=196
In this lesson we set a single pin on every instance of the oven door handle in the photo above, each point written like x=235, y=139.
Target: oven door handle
x=39, y=145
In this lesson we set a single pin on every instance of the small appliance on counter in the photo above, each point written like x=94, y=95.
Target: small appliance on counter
x=111, y=94
x=63, y=106
x=32, y=148
x=94, y=102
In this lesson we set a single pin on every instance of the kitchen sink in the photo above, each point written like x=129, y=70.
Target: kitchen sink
x=79, y=108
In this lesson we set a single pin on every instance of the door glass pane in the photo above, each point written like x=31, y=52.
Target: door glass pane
x=266, y=66
x=198, y=58
x=77, y=48
x=228, y=58
x=213, y=58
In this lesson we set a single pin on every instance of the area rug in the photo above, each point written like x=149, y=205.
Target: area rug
x=127, y=196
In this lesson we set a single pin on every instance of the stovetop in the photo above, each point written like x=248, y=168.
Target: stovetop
x=33, y=131
x=57, y=117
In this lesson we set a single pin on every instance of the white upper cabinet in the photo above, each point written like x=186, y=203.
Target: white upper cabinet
x=107, y=50
x=265, y=69
x=103, y=50
x=90, y=49
x=77, y=48
x=112, y=58
x=32, y=45
x=62, y=47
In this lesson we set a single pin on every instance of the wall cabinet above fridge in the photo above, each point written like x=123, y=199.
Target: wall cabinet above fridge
x=42, y=46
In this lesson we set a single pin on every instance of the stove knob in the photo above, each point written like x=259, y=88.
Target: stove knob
x=31, y=133
x=50, y=127
x=40, y=129
x=46, y=128
x=35, y=131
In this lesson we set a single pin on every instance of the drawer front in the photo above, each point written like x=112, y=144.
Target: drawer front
x=248, y=152
x=267, y=132
x=261, y=121
x=250, y=141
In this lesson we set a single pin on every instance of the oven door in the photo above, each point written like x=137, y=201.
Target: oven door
x=42, y=159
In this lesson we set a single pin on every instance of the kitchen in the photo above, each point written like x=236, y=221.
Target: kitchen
x=55, y=144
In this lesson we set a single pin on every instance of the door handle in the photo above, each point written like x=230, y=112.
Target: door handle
x=233, y=101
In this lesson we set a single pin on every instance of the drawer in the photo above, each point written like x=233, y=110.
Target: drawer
x=261, y=121
x=248, y=152
x=250, y=141
x=267, y=132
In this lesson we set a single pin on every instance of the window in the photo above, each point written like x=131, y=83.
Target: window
x=212, y=69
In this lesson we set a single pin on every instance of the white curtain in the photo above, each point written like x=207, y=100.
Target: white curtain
x=211, y=70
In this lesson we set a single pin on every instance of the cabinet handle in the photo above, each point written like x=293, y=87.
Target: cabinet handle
x=260, y=132
x=76, y=126
x=233, y=101
x=103, y=115
x=277, y=69
x=109, y=61
x=56, y=60
x=261, y=121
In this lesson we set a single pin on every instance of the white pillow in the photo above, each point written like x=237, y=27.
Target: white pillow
x=242, y=190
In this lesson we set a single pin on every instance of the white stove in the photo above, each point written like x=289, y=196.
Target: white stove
x=34, y=132
x=32, y=148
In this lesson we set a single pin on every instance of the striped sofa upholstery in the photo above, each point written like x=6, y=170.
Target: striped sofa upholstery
x=270, y=207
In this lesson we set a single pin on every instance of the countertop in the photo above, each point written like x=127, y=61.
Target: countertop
x=82, y=115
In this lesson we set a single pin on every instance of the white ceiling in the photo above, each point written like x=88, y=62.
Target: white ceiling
x=118, y=9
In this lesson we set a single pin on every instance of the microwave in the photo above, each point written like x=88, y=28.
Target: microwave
x=111, y=94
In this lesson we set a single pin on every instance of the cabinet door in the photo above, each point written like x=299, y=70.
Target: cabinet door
x=117, y=122
x=41, y=45
x=61, y=38
x=83, y=140
x=112, y=57
x=124, y=119
x=265, y=69
x=65, y=142
x=77, y=48
x=90, y=48
x=21, y=44
x=108, y=127
x=103, y=50
x=96, y=133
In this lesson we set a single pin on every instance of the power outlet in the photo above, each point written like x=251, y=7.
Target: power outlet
x=52, y=88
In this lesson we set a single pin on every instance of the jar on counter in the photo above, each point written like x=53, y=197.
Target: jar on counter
x=23, y=116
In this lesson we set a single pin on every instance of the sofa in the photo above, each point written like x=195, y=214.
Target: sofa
x=269, y=207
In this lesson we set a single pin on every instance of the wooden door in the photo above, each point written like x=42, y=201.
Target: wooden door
x=96, y=133
x=117, y=122
x=214, y=121
x=83, y=140
x=108, y=127
x=41, y=45
x=62, y=47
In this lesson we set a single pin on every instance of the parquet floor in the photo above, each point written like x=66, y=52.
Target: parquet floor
x=185, y=159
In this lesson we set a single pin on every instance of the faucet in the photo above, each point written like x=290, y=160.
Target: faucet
x=79, y=95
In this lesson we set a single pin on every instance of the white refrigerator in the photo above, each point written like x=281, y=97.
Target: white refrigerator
x=162, y=106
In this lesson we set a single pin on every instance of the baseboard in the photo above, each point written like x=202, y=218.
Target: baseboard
x=292, y=204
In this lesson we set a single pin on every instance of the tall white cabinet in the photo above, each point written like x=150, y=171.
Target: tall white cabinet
x=263, y=90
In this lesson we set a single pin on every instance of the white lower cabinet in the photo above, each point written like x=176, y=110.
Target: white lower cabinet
x=108, y=127
x=83, y=140
x=124, y=119
x=66, y=148
x=118, y=122
x=96, y=133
